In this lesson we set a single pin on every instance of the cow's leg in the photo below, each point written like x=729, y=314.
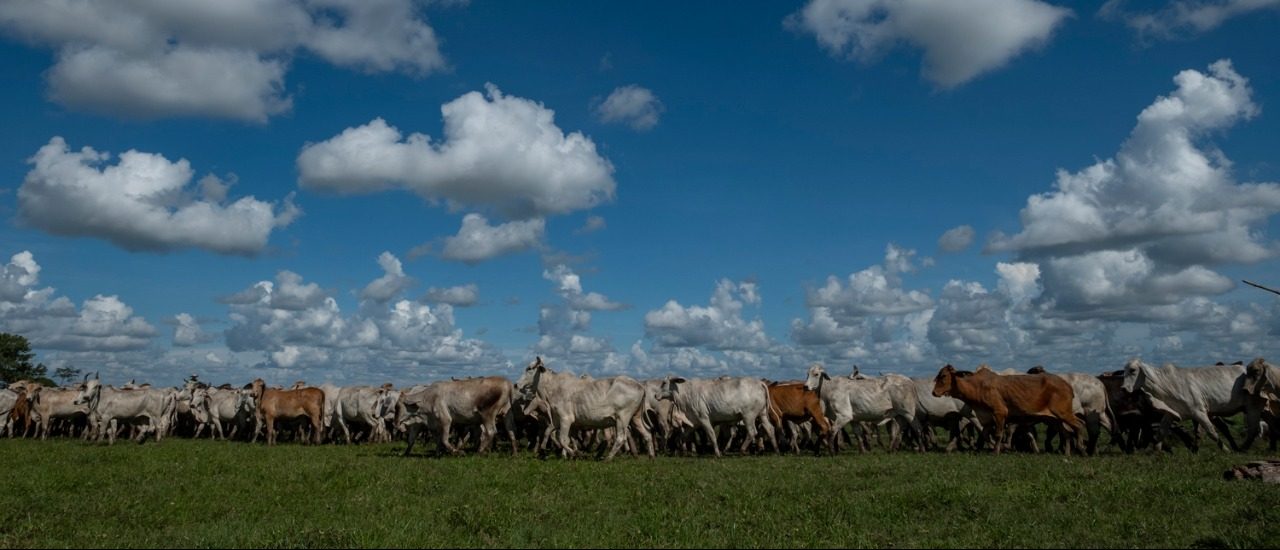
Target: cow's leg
x=509, y=424
x=1202, y=418
x=998, y=418
x=346, y=431
x=564, y=437
x=488, y=429
x=1093, y=425
x=1224, y=430
x=710, y=431
x=637, y=425
x=413, y=436
x=270, y=422
x=836, y=428
x=1252, y=424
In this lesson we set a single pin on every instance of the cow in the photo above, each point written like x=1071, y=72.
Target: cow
x=948, y=412
x=616, y=402
x=1262, y=381
x=225, y=406
x=1019, y=396
x=276, y=404
x=55, y=404
x=844, y=400
x=1136, y=419
x=467, y=402
x=108, y=405
x=8, y=401
x=706, y=403
x=1091, y=404
x=791, y=402
x=362, y=405
x=1197, y=393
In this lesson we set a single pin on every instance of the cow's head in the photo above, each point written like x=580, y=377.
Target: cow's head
x=245, y=401
x=528, y=382
x=670, y=386
x=1038, y=369
x=945, y=382
x=1258, y=375
x=199, y=397
x=387, y=403
x=814, y=377
x=91, y=392
x=257, y=388
x=1135, y=373
x=299, y=385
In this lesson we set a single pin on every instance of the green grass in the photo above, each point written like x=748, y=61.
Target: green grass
x=202, y=493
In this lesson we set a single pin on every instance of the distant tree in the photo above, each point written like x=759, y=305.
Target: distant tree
x=67, y=374
x=15, y=360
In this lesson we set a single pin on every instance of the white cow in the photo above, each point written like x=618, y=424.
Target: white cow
x=49, y=404
x=1196, y=393
x=615, y=402
x=889, y=397
x=468, y=402
x=361, y=404
x=944, y=411
x=1091, y=404
x=8, y=398
x=228, y=407
x=108, y=405
x=706, y=403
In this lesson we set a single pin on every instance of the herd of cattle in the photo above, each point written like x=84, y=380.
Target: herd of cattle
x=1139, y=406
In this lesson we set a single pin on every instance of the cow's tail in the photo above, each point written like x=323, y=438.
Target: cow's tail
x=775, y=414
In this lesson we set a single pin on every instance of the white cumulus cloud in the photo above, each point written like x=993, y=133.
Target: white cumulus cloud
x=1182, y=17
x=959, y=40
x=633, y=105
x=143, y=202
x=956, y=239
x=478, y=241
x=498, y=151
x=160, y=58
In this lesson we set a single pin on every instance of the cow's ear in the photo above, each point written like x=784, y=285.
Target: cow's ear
x=825, y=377
x=677, y=380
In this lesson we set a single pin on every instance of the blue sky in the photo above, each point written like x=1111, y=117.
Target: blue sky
x=741, y=162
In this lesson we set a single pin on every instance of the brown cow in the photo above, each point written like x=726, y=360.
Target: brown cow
x=1019, y=396
x=790, y=401
x=20, y=414
x=284, y=404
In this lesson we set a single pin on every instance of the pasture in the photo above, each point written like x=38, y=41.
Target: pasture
x=184, y=493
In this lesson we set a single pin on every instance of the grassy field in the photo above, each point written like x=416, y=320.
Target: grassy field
x=201, y=493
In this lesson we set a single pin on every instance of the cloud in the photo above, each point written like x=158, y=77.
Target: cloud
x=220, y=59
x=593, y=224
x=717, y=326
x=569, y=287
x=456, y=296
x=143, y=202
x=956, y=239
x=1143, y=228
x=478, y=241
x=563, y=327
x=102, y=323
x=959, y=40
x=632, y=105
x=177, y=82
x=392, y=282
x=297, y=325
x=1183, y=17
x=876, y=290
x=499, y=151
x=187, y=331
